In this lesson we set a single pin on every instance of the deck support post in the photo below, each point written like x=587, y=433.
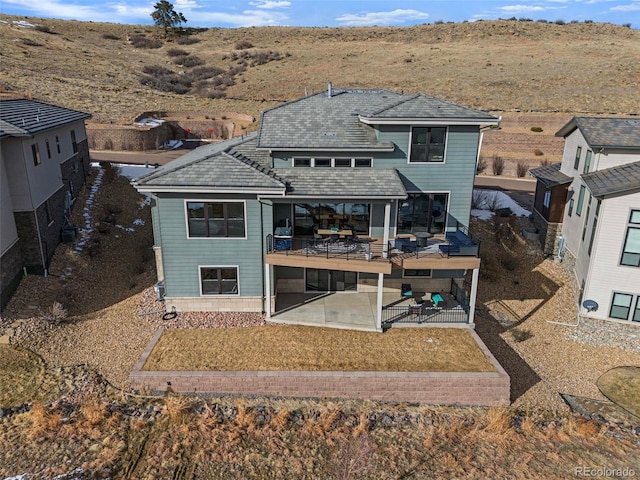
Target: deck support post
x=474, y=291
x=267, y=285
x=379, y=302
x=387, y=221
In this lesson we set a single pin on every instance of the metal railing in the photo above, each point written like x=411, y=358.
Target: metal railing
x=424, y=314
x=347, y=249
x=455, y=244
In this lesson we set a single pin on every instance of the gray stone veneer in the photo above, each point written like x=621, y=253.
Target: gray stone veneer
x=10, y=272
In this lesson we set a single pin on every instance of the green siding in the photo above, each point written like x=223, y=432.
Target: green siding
x=181, y=255
x=155, y=221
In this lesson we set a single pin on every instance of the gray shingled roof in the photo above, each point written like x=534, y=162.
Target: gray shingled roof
x=343, y=182
x=617, y=133
x=321, y=122
x=550, y=175
x=614, y=180
x=212, y=167
x=25, y=118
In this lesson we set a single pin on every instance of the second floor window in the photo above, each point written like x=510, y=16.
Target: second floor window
x=631, y=248
x=576, y=162
x=216, y=219
x=74, y=143
x=580, y=200
x=427, y=144
x=35, y=151
x=587, y=162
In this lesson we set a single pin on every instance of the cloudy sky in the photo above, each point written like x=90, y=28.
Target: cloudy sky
x=342, y=13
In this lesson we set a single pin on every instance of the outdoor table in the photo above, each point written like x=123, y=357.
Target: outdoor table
x=340, y=233
x=422, y=238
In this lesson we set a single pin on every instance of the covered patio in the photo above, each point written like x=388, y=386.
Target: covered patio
x=357, y=311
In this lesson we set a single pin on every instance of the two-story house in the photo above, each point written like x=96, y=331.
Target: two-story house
x=362, y=193
x=44, y=160
x=592, y=201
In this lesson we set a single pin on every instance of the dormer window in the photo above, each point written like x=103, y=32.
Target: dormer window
x=427, y=144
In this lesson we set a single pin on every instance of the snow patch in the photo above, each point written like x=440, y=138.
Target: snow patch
x=487, y=201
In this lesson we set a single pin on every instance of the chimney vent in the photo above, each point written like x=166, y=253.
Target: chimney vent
x=329, y=90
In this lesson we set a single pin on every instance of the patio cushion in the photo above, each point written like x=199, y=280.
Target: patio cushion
x=436, y=298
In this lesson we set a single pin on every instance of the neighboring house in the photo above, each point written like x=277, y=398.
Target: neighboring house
x=359, y=191
x=592, y=204
x=44, y=160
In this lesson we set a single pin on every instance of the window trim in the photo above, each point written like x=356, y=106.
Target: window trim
x=570, y=207
x=630, y=226
x=587, y=161
x=405, y=275
x=611, y=305
x=636, y=311
x=218, y=295
x=35, y=153
x=580, y=201
x=576, y=161
x=186, y=218
x=444, y=151
x=312, y=162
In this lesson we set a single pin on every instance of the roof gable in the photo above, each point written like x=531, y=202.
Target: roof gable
x=615, y=180
x=611, y=133
x=25, y=118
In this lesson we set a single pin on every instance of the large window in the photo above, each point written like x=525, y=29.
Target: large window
x=310, y=216
x=216, y=219
x=621, y=306
x=330, y=280
x=219, y=280
x=74, y=143
x=35, y=152
x=427, y=144
x=423, y=212
x=587, y=162
x=576, y=162
x=580, y=201
x=631, y=248
x=546, y=201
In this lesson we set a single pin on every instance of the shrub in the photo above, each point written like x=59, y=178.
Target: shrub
x=186, y=40
x=497, y=164
x=179, y=84
x=140, y=41
x=204, y=73
x=626, y=25
x=55, y=314
x=520, y=335
x=545, y=162
x=44, y=29
x=559, y=22
x=243, y=45
x=536, y=129
x=156, y=70
x=175, y=52
x=188, y=61
x=538, y=153
x=31, y=43
x=438, y=22
x=110, y=36
x=482, y=165
x=522, y=169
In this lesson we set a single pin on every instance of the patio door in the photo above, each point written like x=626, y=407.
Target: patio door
x=330, y=280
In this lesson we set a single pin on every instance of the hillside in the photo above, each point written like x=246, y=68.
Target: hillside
x=506, y=66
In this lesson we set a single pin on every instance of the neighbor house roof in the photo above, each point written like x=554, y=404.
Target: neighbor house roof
x=550, y=175
x=341, y=119
x=212, y=168
x=25, y=118
x=615, y=180
x=612, y=133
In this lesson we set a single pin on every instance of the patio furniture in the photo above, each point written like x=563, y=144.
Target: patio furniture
x=405, y=290
x=436, y=298
x=422, y=238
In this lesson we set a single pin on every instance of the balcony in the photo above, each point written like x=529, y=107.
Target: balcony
x=454, y=250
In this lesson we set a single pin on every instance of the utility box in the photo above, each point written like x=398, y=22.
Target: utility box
x=69, y=233
x=159, y=289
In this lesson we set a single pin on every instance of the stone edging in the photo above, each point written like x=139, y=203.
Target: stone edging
x=443, y=388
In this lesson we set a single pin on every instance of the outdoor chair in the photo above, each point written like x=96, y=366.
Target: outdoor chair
x=406, y=290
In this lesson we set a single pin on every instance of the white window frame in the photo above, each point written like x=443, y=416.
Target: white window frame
x=211, y=200
x=404, y=275
x=444, y=152
x=629, y=226
x=631, y=304
x=312, y=161
x=229, y=295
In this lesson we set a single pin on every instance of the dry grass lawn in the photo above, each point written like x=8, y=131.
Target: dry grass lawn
x=621, y=385
x=21, y=373
x=318, y=349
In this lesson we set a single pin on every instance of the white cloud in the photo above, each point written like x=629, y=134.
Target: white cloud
x=247, y=18
x=394, y=17
x=521, y=9
x=632, y=7
x=270, y=4
x=56, y=9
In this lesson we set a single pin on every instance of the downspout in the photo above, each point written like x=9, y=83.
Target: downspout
x=262, y=253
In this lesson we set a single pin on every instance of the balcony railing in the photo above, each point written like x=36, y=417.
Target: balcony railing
x=420, y=313
x=458, y=243
x=347, y=249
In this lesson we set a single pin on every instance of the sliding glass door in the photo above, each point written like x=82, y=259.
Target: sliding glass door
x=423, y=212
x=330, y=280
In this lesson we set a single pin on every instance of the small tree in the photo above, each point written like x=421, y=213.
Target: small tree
x=166, y=17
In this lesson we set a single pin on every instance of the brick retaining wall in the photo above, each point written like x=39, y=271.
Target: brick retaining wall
x=444, y=388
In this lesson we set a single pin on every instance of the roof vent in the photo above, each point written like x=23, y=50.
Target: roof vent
x=329, y=134
x=329, y=90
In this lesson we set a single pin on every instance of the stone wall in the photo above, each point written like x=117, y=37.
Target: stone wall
x=549, y=233
x=129, y=137
x=445, y=388
x=75, y=170
x=35, y=245
x=10, y=272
